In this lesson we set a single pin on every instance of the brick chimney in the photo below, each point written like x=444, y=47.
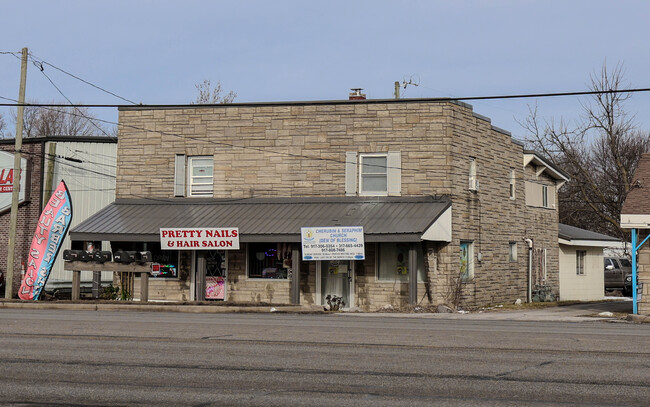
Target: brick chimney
x=356, y=94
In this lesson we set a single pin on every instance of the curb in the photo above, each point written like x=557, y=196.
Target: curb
x=260, y=309
x=642, y=319
x=219, y=309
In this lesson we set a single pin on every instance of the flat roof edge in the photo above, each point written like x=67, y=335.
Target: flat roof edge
x=294, y=103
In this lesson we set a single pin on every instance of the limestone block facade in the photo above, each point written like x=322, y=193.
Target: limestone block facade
x=301, y=149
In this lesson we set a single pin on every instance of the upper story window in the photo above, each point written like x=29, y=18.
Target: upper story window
x=200, y=175
x=473, y=181
x=512, y=184
x=373, y=174
x=540, y=195
x=194, y=176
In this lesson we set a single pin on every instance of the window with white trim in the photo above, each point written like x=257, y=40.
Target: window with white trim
x=373, y=174
x=194, y=176
x=581, y=255
x=200, y=175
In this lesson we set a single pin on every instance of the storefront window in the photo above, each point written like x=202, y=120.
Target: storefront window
x=393, y=262
x=269, y=260
x=165, y=262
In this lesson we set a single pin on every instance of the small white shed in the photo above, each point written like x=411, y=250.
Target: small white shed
x=582, y=276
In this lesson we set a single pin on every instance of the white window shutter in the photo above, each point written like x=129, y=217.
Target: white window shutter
x=394, y=172
x=179, y=175
x=351, y=173
x=551, y=196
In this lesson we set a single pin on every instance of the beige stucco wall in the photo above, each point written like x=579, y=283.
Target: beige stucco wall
x=587, y=287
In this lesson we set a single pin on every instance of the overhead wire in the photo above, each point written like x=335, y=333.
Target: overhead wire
x=57, y=158
x=231, y=145
x=15, y=54
x=39, y=64
x=82, y=80
x=259, y=149
x=435, y=99
x=288, y=154
x=69, y=101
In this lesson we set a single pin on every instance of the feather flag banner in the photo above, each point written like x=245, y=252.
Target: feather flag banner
x=51, y=229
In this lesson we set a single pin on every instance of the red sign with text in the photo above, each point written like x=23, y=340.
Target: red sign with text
x=6, y=180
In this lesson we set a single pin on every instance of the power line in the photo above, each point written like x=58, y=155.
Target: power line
x=15, y=54
x=213, y=142
x=446, y=99
x=287, y=154
x=67, y=161
x=69, y=101
x=35, y=59
x=42, y=62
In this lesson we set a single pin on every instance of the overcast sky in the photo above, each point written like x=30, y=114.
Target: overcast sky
x=154, y=52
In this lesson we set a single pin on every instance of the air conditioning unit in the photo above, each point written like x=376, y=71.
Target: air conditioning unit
x=473, y=184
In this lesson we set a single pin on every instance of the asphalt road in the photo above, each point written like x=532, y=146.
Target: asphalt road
x=91, y=358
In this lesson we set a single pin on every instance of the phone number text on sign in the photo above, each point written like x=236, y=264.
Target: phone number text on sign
x=333, y=243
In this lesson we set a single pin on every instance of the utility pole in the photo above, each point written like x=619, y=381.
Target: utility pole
x=9, y=284
x=396, y=89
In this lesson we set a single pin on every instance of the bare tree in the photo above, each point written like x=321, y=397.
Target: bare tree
x=59, y=121
x=600, y=153
x=208, y=95
x=3, y=126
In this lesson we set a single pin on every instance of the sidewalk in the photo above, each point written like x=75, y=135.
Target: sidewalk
x=581, y=312
x=148, y=307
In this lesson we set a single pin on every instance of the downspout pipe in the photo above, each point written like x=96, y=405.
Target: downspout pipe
x=530, y=268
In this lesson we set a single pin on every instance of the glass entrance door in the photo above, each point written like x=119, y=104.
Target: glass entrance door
x=336, y=277
x=211, y=275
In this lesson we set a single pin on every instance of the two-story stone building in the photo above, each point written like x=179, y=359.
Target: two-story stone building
x=448, y=203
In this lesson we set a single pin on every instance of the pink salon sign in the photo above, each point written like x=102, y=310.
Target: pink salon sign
x=50, y=231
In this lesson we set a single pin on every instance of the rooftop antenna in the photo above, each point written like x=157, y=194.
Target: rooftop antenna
x=404, y=84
